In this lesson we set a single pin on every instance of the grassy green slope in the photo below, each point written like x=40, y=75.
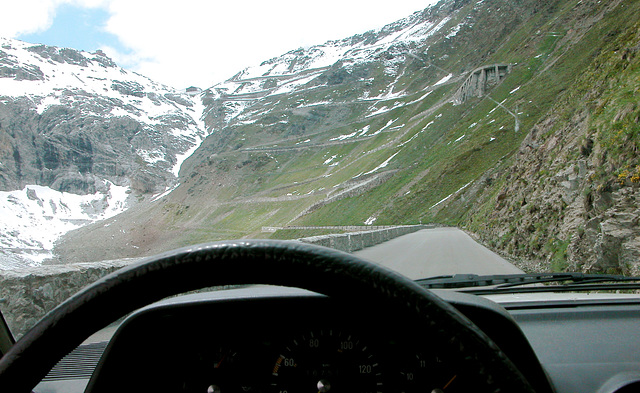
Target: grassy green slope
x=463, y=142
x=590, y=137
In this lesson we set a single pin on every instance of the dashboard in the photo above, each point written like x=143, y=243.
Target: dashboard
x=285, y=340
x=587, y=344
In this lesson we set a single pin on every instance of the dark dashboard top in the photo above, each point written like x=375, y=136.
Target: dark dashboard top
x=258, y=338
x=268, y=339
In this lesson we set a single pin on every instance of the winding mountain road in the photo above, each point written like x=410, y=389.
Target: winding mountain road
x=435, y=252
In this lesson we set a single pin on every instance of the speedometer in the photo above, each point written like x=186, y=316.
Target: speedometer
x=327, y=361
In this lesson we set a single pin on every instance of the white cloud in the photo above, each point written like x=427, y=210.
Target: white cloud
x=26, y=16
x=31, y=16
x=204, y=42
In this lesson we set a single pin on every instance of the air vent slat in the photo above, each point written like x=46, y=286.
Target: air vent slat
x=79, y=364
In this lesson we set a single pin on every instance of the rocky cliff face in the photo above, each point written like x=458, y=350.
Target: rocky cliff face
x=76, y=123
x=569, y=198
x=70, y=120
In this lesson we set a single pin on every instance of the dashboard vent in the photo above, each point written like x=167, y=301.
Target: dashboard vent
x=79, y=364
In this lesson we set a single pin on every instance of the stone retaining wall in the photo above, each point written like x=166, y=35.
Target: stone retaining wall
x=27, y=294
x=355, y=241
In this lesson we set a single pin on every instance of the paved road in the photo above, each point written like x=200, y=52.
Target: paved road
x=438, y=251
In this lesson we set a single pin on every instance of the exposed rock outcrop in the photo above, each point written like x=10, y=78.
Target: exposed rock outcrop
x=570, y=198
x=70, y=120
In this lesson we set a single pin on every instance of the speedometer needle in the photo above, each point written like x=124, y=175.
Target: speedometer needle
x=450, y=382
x=217, y=365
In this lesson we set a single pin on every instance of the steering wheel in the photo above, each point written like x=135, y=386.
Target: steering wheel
x=287, y=263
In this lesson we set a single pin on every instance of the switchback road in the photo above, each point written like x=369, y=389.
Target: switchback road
x=435, y=252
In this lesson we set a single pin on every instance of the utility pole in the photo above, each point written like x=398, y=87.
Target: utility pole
x=515, y=115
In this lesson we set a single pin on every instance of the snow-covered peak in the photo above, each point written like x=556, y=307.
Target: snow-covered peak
x=301, y=66
x=359, y=48
x=95, y=86
x=45, y=73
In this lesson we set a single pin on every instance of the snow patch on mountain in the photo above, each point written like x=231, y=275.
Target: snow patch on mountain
x=35, y=217
x=443, y=80
x=151, y=157
x=379, y=111
x=319, y=103
x=455, y=30
x=450, y=195
x=384, y=164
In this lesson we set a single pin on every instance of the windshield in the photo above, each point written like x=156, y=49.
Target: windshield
x=441, y=138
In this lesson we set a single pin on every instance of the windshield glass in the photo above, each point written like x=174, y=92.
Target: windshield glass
x=435, y=138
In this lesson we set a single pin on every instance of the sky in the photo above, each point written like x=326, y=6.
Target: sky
x=195, y=42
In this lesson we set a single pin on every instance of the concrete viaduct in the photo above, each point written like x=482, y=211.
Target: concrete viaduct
x=480, y=80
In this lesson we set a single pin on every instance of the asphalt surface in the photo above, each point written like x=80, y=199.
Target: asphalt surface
x=435, y=252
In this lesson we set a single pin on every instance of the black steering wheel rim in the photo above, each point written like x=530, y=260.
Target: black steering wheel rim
x=287, y=263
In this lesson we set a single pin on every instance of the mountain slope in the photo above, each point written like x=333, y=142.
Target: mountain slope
x=568, y=200
x=81, y=139
x=311, y=129
x=424, y=120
